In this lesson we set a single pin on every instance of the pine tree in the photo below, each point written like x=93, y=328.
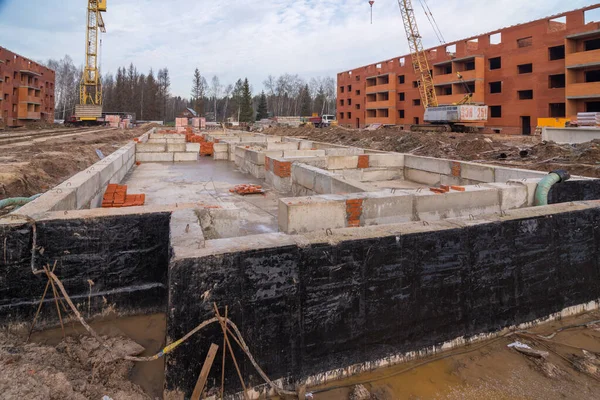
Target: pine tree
x=305, y=108
x=262, y=107
x=199, y=87
x=246, y=111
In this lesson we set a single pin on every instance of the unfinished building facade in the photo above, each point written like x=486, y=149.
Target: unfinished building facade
x=26, y=91
x=545, y=68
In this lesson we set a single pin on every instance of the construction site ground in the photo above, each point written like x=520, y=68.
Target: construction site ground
x=514, y=151
x=77, y=367
x=35, y=160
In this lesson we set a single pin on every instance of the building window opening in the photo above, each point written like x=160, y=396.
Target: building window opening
x=401, y=96
x=416, y=102
x=557, y=24
x=592, y=76
x=556, y=52
x=525, y=42
x=525, y=68
x=496, y=111
x=495, y=63
x=592, y=15
x=496, y=38
x=592, y=44
x=525, y=94
x=558, y=110
x=400, y=113
x=592, y=106
x=495, y=87
x=556, y=81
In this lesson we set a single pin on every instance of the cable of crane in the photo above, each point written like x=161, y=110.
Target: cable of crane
x=432, y=21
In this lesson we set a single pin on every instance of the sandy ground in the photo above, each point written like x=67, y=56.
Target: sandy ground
x=33, y=168
x=512, y=151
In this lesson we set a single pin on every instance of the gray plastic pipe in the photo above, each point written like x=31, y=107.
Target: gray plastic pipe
x=543, y=188
x=17, y=201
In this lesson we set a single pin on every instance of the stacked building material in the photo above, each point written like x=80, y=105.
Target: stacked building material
x=199, y=123
x=293, y=122
x=116, y=196
x=206, y=148
x=114, y=121
x=179, y=122
x=588, y=119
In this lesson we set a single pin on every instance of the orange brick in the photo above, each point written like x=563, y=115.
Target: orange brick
x=458, y=188
x=437, y=190
x=363, y=161
x=446, y=188
x=456, y=168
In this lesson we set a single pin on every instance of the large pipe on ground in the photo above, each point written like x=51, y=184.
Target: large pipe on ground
x=544, y=186
x=17, y=201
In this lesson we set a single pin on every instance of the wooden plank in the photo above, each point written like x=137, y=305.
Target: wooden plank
x=208, y=362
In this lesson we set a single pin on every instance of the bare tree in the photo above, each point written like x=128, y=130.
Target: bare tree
x=227, y=92
x=216, y=92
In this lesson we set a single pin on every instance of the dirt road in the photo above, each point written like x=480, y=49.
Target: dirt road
x=512, y=151
x=32, y=162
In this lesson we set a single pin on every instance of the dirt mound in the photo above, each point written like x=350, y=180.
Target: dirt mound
x=76, y=369
x=37, y=167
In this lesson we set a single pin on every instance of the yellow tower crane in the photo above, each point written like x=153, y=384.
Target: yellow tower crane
x=454, y=117
x=89, y=110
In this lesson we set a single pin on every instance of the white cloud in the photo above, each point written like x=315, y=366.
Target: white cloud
x=253, y=38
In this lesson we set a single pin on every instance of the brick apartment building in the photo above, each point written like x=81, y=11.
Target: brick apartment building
x=544, y=68
x=26, y=91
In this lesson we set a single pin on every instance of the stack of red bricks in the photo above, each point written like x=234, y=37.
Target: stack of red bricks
x=193, y=138
x=247, y=189
x=206, y=148
x=116, y=196
x=353, y=212
x=445, y=189
x=283, y=169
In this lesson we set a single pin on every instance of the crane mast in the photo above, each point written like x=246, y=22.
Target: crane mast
x=418, y=55
x=90, y=91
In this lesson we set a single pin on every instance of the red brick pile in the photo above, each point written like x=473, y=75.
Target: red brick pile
x=206, y=148
x=282, y=169
x=247, y=189
x=193, y=138
x=116, y=196
x=445, y=189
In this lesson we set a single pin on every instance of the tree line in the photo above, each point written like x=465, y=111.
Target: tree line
x=149, y=95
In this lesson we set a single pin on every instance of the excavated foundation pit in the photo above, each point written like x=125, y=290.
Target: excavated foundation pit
x=351, y=259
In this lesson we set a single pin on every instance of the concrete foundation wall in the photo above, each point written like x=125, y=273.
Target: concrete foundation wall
x=375, y=293
x=570, y=135
x=125, y=256
x=316, y=213
x=86, y=188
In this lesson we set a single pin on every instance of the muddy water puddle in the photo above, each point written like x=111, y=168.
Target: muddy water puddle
x=147, y=330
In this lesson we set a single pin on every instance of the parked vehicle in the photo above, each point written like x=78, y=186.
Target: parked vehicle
x=322, y=121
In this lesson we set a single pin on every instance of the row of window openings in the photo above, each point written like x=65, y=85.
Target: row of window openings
x=557, y=110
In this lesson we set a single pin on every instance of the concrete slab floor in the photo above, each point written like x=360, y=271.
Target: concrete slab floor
x=206, y=183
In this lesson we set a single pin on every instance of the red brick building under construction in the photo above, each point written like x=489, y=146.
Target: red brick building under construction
x=544, y=68
x=26, y=91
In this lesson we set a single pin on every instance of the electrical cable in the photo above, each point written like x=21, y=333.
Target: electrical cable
x=435, y=22
x=432, y=22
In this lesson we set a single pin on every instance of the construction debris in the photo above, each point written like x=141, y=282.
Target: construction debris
x=247, y=189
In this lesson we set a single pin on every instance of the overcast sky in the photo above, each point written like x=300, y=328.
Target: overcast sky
x=253, y=38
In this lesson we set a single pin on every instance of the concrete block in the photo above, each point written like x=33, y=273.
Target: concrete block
x=272, y=138
x=530, y=185
x=281, y=185
x=342, y=162
x=219, y=147
x=348, y=151
x=380, y=174
x=106, y=172
x=176, y=147
x=167, y=136
x=570, y=135
x=428, y=164
x=57, y=199
x=340, y=186
x=430, y=206
x=506, y=174
x=192, y=147
x=304, y=176
x=385, y=208
x=185, y=156
x=305, y=145
x=322, y=183
x=154, y=157
x=303, y=153
x=151, y=147
x=282, y=146
x=424, y=177
x=220, y=156
x=477, y=172
x=386, y=160
x=511, y=196
x=299, y=215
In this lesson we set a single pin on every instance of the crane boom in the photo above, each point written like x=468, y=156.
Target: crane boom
x=418, y=55
x=90, y=91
